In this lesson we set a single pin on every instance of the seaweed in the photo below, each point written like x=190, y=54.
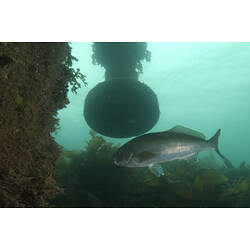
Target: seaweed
x=89, y=179
x=108, y=53
x=120, y=59
x=34, y=81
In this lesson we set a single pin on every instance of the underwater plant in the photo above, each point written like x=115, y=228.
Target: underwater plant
x=90, y=179
x=34, y=81
x=129, y=53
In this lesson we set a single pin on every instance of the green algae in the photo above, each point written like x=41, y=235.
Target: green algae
x=90, y=179
x=35, y=79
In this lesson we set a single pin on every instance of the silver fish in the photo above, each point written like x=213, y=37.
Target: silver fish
x=154, y=148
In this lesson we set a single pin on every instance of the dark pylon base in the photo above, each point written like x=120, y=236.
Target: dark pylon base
x=121, y=108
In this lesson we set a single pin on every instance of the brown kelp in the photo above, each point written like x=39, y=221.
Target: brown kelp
x=89, y=179
x=34, y=82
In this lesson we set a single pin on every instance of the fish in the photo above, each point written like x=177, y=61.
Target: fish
x=150, y=150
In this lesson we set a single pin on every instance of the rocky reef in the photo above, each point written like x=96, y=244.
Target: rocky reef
x=34, y=81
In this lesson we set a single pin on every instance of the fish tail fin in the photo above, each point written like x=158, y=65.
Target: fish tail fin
x=214, y=142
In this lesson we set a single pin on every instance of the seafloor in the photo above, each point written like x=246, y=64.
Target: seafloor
x=89, y=179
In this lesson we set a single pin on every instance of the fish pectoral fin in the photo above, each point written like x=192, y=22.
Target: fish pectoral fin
x=157, y=170
x=144, y=156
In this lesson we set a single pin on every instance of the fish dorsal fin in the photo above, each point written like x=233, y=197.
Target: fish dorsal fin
x=187, y=131
x=144, y=156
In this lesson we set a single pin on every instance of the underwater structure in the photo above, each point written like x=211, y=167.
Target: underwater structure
x=121, y=106
x=34, y=81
